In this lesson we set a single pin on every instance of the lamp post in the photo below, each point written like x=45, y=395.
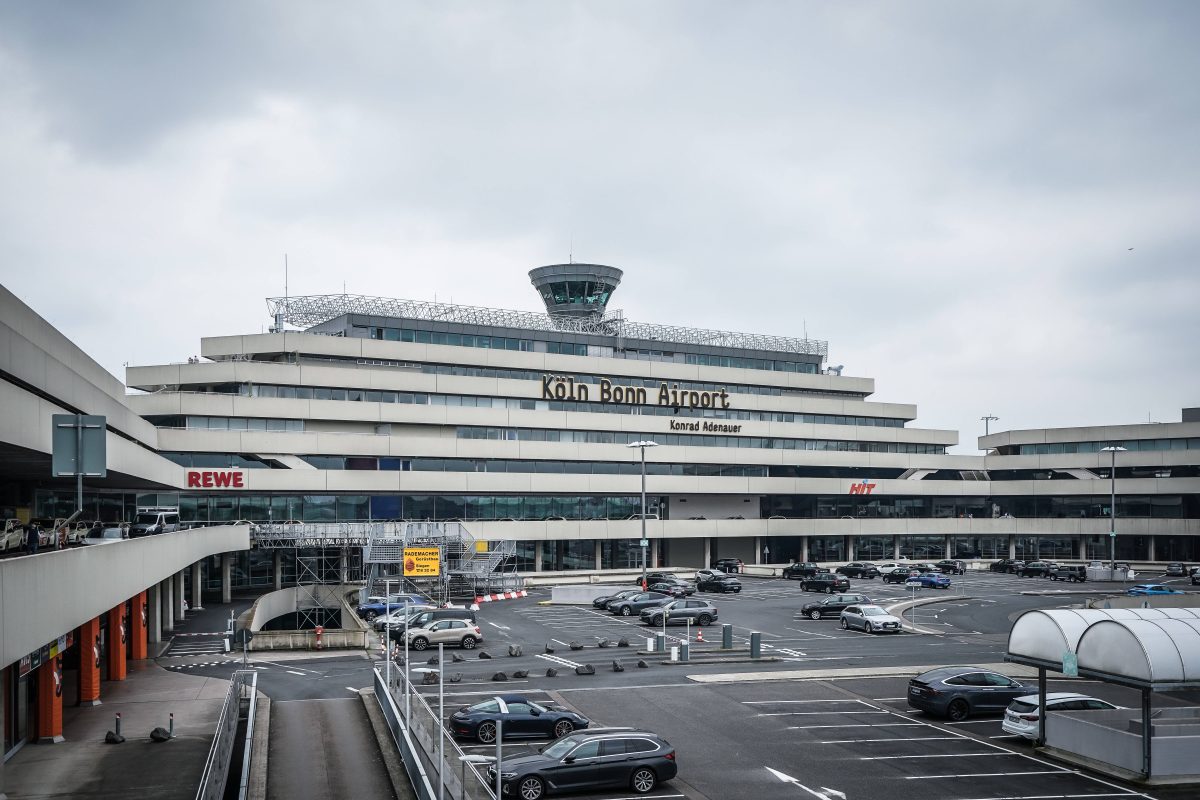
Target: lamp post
x=645, y=542
x=1112, y=505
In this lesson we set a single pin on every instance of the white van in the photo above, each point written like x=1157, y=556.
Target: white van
x=150, y=521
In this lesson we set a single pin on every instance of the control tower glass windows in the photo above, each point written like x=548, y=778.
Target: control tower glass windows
x=587, y=293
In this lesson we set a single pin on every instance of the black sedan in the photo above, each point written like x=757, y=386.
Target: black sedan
x=522, y=718
x=958, y=692
x=601, y=602
x=832, y=606
x=634, y=605
x=899, y=575
x=612, y=758
x=722, y=583
x=825, y=582
x=859, y=569
x=673, y=589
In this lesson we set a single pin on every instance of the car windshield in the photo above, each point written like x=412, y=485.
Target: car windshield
x=561, y=747
x=873, y=611
x=147, y=519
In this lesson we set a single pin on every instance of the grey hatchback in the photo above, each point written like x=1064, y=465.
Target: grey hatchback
x=592, y=759
x=679, y=612
x=959, y=692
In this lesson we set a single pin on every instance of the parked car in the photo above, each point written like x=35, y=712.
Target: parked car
x=114, y=533
x=1067, y=572
x=461, y=632
x=825, y=582
x=683, y=586
x=375, y=607
x=1147, y=589
x=1176, y=570
x=832, y=606
x=929, y=580
x=1022, y=716
x=899, y=575
x=1006, y=565
x=13, y=537
x=859, y=569
x=728, y=564
x=952, y=567
x=725, y=583
x=958, y=692
x=706, y=574
x=396, y=618
x=663, y=577
x=800, y=569
x=601, y=602
x=522, y=718
x=154, y=521
x=672, y=589
x=1035, y=569
x=1195, y=576
x=870, y=619
x=587, y=760
x=678, y=612
x=628, y=606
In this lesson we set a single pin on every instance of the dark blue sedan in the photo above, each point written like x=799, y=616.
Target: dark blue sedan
x=522, y=718
x=931, y=580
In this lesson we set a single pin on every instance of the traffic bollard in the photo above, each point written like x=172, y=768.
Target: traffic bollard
x=726, y=637
x=650, y=644
x=685, y=651
x=171, y=726
x=118, y=723
x=660, y=643
x=755, y=644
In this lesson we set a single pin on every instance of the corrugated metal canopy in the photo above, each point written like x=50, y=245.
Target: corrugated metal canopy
x=1146, y=647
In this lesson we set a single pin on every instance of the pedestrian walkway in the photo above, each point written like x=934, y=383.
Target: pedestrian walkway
x=325, y=750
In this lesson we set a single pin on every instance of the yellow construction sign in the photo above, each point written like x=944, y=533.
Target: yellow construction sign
x=422, y=562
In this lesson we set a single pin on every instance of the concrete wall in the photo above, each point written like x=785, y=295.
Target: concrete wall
x=44, y=596
x=1114, y=738
x=294, y=598
x=331, y=639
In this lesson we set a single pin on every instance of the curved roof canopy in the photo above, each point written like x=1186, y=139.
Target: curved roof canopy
x=1156, y=648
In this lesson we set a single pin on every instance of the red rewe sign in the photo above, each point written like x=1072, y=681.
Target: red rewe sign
x=862, y=488
x=216, y=479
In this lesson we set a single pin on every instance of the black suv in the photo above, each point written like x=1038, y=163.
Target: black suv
x=714, y=583
x=899, y=575
x=800, y=569
x=859, y=569
x=728, y=564
x=832, y=606
x=952, y=567
x=1077, y=574
x=1006, y=565
x=597, y=758
x=825, y=582
x=1035, y=569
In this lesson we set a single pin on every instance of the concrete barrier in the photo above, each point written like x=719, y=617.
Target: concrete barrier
x=583, y=595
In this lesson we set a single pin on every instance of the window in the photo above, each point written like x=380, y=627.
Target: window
x=586, y=750
x=640, y=746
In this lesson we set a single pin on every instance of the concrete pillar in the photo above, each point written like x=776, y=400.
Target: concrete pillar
x=344, y=567
x=138, y=646
x=948, y=548
x=177, y=597
x=537, y=556
x=851, y=548
x=278, y=559
x=758, y=550
x=197, y=587
x=167, y=593
x=1151, y=554
x=226, y=578
x=896, y=547
x=153, y=615
x=654, y=563
x=1081, y=547
x=708, y=559
x=1012, y=546
x=88, y=636
x=118, y=640
x=599, y=554
x=804, y=548
x=3, y=718
x=49, y=701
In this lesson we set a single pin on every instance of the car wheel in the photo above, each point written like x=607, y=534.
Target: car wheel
x=531, y=788
x=626, y=611
x=563, y=727
x=814, y=615
x=486, y=732
x=845, y=625
x=703, y=619
x=958, y=710
x=420, y=643
x=643, y=780
x=371, y=615
x=468, y=643
x=656, y=621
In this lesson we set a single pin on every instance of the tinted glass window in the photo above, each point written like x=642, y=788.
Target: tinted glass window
x=489, y=706
x=587, y=750
x=960, y=680
x=518, y=708
x=612, y=747
x=640, y=746
x=993, y=679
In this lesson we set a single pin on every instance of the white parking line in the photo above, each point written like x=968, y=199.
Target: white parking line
x=1055, y=796
x=562, y=662
x=892, y=739
x=773, y=702
x=813, y=713
x=991, y=775
x=931, y=755
x=864, y=725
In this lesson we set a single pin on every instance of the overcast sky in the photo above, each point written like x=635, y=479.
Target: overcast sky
x=990, y=208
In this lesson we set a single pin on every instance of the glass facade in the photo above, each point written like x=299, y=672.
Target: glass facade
x=691, y=440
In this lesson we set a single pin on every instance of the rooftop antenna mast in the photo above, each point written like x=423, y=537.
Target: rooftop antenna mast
x=281, y=312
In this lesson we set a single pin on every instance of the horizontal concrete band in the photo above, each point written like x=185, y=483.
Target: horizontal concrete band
x=44, y=596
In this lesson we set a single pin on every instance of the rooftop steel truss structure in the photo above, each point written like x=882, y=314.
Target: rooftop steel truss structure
x=306, y=311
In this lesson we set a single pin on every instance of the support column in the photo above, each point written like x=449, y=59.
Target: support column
x=1151, y=554
x=118, y=638
x=1012, y=546
x=138, y=646
x=537, y=556
x=177, y=596
x=654, y=554
x=153, y=614
x=758, y=550
x=948, y=548
x=167, y=593
x=3, y=717
x=599, y=554
x=344, y=566
x=804, y=548
x=851, y=548
x=278, y=564
x=49, y=701
x=707, y=552
x=88, y=637
x=226, y=578
x=197, y=587
x=896, y=547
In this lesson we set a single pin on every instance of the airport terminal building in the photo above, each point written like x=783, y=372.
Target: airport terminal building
x=525, y=427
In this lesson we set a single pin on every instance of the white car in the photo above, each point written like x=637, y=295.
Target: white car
x=869, y=618
x=1021, y=718
x=13, y=537
x=396, y=618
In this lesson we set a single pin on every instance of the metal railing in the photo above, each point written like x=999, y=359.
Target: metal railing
x=242, y=686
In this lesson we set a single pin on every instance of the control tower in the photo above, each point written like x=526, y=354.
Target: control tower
x=575, y=290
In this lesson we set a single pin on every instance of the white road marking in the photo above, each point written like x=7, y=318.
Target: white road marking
x=773, y=702
x=989, y=775
x=294, y=672
x=562, y=662
x=892, y=739
x=863, y=725
x=813, y=713
x=351, y=688
x=931, y=755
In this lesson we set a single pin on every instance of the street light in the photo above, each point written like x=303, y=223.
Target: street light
x=1112, y=506
x=645, y=542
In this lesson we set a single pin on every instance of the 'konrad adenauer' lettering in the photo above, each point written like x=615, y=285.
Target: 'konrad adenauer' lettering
x=704, y=426
x=564, y=387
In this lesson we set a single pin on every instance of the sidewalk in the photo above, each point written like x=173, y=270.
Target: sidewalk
x=85, y=767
